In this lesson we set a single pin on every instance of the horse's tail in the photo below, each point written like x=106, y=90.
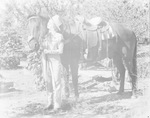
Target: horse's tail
x=134, y=69
x=135, y=57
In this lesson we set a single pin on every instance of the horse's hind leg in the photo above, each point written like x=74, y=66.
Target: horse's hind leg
x=133, y=74
x=120, y=66
x=74, y=73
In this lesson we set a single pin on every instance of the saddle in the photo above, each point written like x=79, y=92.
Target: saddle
x=92, y=24
x=96, y=24
x=95, y=30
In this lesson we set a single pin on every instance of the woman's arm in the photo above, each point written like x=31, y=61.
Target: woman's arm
x=56, y=51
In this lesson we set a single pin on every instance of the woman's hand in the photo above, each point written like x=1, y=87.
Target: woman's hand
x=50, y=51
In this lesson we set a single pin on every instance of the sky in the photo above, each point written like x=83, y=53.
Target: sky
x=3, y=2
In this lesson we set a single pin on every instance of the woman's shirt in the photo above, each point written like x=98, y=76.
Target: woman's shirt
x=55, y=45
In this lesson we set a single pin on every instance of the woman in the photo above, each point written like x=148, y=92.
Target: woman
x=53, y=70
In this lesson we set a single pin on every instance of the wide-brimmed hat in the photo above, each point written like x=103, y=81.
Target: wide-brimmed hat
x=54, y=22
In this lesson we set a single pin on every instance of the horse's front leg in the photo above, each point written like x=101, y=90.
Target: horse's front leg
x=66, y=81
x=114, y=73
x=74, y=73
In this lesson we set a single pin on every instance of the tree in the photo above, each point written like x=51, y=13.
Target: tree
x=10, y=41
x=132, y=13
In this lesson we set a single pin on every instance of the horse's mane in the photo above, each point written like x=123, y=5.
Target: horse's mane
x=41, y=23
x=37, y=16
x=30, y=16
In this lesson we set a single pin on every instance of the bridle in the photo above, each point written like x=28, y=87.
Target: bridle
x=39, y=36
x=33, y=36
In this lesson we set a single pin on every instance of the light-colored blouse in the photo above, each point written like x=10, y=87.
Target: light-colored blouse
x=54, y=45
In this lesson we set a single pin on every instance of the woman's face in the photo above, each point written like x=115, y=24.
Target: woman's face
x=55, y=28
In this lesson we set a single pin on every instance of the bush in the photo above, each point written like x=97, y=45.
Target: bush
x=9, y=62
x=143, y=60
x=34, y=65
x=10, y=45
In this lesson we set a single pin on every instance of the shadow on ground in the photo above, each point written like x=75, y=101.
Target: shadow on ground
x=30, y=110
x=35, y=109
x=110, y=97
x=10, y=90
x=94, y=103
x=110, y=105
x=107, y=104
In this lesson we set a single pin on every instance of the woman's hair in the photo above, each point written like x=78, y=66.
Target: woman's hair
x=53, y=27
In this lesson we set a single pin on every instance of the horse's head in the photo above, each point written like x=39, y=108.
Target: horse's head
x=37, y=27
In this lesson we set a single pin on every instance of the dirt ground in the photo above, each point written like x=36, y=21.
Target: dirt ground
x=97, y=99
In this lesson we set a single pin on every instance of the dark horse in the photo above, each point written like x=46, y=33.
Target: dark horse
x=122, y=48
x=71, y=54
x=114, y=41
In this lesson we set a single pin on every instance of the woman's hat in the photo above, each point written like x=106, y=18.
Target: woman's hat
x=54, y=22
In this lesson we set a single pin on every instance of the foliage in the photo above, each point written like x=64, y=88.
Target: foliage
x=10, y=44
x=143, y=62
x=34, y=65
x=132, y=13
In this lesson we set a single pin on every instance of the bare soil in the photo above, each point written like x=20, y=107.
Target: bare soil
x=97, y=99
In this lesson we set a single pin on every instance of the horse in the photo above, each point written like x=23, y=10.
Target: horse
x=122, y=48
x=117, y=43
x=71, y=53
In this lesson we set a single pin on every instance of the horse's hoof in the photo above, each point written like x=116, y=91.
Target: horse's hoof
x=133, y=97
x=56, y=110
x=49, y=107
x=67, y=96
x=76, y=96
x=76, y=99
x=120, y=92
x=134, y=94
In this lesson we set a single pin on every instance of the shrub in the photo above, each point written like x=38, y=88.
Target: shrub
x=34, y=65
x=10, y=45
